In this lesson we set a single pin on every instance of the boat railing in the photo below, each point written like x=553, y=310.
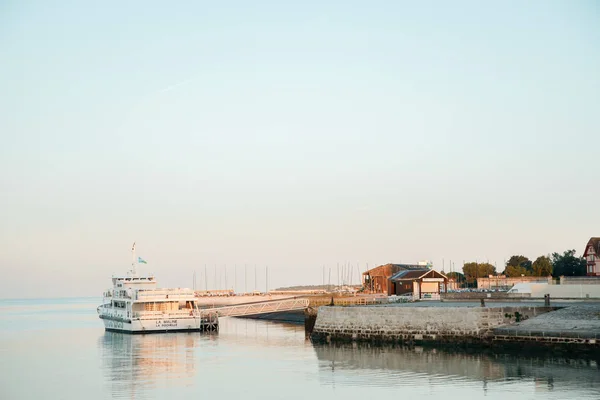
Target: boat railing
x=101, y=307
x=166, y=291
x=166, y=314
x=164, y=296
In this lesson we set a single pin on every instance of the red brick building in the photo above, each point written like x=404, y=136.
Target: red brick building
x=377, y=280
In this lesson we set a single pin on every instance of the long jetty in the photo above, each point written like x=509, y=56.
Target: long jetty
x=257, y=308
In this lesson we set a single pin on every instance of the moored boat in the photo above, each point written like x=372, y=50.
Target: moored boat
x=135, y=304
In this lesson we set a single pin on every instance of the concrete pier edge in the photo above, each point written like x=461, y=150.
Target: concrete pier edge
x=475, y=328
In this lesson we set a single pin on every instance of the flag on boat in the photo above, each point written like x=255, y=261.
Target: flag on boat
x=141, y=261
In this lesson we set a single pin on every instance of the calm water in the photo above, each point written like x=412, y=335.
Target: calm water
x=57, y=349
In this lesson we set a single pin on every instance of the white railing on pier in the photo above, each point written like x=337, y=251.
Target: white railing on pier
x=259, y=308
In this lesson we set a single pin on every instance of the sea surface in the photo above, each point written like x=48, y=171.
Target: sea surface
x=58, y=349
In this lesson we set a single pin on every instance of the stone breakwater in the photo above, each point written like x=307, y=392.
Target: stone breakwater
x=456, y=325
x=577, y=324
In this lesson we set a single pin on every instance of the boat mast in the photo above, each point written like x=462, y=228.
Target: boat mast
x=133, y=260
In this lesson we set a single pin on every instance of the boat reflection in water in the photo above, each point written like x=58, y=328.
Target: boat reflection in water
x=139, y=363
x=369, y=364
x=135, y=365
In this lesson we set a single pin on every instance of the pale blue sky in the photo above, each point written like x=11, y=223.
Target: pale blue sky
x=291, y=135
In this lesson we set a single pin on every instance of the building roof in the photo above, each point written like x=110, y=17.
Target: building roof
x=410, y=275
x=394, y=268
x=595, y=242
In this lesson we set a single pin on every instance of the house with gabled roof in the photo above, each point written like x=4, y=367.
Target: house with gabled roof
x=422, y=283
x=377, y=280
x=592, y=256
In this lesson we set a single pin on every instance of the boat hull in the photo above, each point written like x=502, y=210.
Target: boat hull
x=160, y=325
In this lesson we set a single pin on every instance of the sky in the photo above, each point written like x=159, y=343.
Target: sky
x=294, y=135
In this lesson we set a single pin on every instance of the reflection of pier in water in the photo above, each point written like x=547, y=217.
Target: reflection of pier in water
x=260, y=332
x=546, y=373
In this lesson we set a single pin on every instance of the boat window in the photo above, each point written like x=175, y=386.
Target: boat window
x=119, y=304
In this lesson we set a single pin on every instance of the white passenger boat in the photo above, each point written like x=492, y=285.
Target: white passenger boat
x=136, y=305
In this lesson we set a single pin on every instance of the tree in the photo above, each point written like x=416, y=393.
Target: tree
x=568, y=264
x=513, y=272
x=518, y=262
x=473, y=271
x=457, y=276
x=470, y=271
x=542, y=266
x=459, y=279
